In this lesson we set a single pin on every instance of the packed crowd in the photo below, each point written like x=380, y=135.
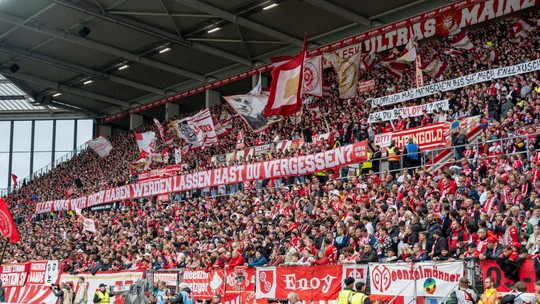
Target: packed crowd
x=487, y=208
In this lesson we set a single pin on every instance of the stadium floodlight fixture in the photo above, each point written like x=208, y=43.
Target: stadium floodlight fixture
x=165, y=50
x=271, y=6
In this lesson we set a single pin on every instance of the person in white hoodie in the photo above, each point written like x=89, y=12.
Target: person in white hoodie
x=82, y=293
x=522, y=297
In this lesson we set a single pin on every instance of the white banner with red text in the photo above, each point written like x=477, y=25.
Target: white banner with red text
x=457, y=83
x=38, y=276
x=160, y=173
x=413, y=111
x=30, y=282
x=427, y=137
x=279, y=168
x=428, y=279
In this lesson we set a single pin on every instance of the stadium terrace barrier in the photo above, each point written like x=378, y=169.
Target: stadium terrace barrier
x=388, y=282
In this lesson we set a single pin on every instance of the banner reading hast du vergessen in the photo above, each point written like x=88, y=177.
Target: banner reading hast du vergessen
x=301, y=165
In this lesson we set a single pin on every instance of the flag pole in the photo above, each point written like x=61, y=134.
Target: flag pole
x=4, y=250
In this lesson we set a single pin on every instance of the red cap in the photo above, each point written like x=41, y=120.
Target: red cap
x=516, y=244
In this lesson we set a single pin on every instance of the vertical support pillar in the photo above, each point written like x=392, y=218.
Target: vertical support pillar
x=212, y=99
x=53, y=148
x=75, y=128
x=135, y=120
x=105, y=131
x=10, y=163
x=171, y=110
x=32, y=137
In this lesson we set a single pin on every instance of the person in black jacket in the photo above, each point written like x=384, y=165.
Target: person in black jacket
x=493, y=249
x=376, y=158
x=439, y=243
x=368, y=256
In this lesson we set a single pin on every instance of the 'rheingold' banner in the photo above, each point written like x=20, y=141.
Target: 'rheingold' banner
x=457, y=83
x=301, y=165
x=409, y=111
x=427, y=137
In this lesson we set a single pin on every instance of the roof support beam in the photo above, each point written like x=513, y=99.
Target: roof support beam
x=79, y=69
x=212, y=10
x=150, y=30
x=40, y=28
x=66, y=89
x=339, y=11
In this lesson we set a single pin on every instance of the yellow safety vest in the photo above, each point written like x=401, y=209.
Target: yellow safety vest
x=358, y=298
x=321, y=173
x=392, y=155
x=105, y=298
x=345, y=296
x=367, y=164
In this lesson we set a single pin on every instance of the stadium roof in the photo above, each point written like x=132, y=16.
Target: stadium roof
x=107, y=56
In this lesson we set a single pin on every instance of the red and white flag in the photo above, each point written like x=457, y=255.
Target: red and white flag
x=419, y=75
x=367, y=62
x=240, y=140
x=146, y=143
x=226, y=119
x=394, y=68
x=100, y=145
x=89, y=224
x=461, y=41
x=280, y=60
x=453, y=52
x=285, y=98
x=409, y=53
x=197, y=130
x=315, y=111
x=493, y=55
x=220, y=129
x=169, y=142
x=14, y=179
x=312, y=76
x=522, y=28
x=160, y=129
x=8, y=228
x=434, y=67
x=347, y=72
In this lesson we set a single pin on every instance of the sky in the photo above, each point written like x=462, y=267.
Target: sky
x=42, y=144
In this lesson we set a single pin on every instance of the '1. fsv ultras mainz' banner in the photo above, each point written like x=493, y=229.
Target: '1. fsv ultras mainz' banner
x=431, y=279
x=300, y=165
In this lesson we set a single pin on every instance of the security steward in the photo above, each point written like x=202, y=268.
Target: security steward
x=394, y=160
x=345, y=296
x=360, y=297
x=102, y=296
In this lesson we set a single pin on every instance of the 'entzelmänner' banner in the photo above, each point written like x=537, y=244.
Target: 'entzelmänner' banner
x=457, y=83
x=409, y=111
x=278, y=168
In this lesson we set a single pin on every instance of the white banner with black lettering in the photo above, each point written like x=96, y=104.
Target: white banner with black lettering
x=457, y=83
x=409, y=111
x=428, y=279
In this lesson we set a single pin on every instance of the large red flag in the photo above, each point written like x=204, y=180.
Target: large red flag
x=7, y=226
x=285, y=91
